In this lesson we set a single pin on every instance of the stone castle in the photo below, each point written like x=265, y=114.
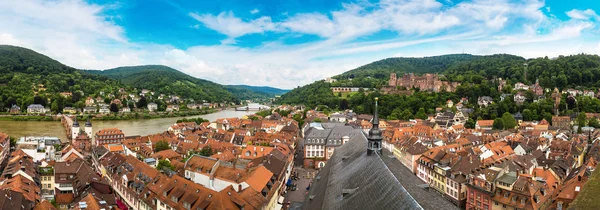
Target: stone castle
x=426, y=82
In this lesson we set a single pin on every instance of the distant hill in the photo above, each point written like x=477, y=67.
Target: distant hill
x=168, y=80
x=261, y=89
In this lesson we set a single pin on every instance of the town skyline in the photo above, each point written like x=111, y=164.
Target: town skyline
x=269, y=43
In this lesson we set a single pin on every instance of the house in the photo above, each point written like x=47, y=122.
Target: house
x=14, y=109
x=152, y=107
x=589, y=93
x=519, y=98
x=66, y=94
x=449, y=103
x=89, y=101
x=561, y=121
x=104, y=110
x=125, y=109
x=116, y=101
x=89, y=109
x=484, y=124
x=194, y=106
x=36, y=109
x=69, y=110
x=521, y=86
x=108, y=136
x=484, y=101
x=172, y=107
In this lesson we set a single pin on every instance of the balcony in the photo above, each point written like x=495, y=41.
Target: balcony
x=64, y=187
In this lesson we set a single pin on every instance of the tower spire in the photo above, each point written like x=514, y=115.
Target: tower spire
x=374, y=144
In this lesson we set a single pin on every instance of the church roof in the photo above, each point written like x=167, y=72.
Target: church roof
x=353, y=180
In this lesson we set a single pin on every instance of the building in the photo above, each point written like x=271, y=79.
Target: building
x=36, y=109
x=484, y=124
x=4, y=146
x=152, y=106
x=519, y=98
x=320, y=142
x=171, y=108
x=426, y=82
x=69, y=110
x=89, y=101
x=561, y=122
x=108, y=136
x=89, y=109
x=481, y=187
x=47, y=182
x=484, y=101
x=125, y=109
x=104, y=110
x=368, y=185
x=14, y=109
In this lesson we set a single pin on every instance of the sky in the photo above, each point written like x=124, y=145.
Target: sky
x=291, y=43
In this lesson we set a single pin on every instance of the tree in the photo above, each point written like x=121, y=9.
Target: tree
x=164, y=164
x=161, y=145
x=206, y=151
x=421, y=114
x=498, y=124
x=594, y=123
x=528, y=115
x=142, y=102
x=114, y=108
x=581, y=119
x=509, y=121
x=470, y=124
x=39, y=100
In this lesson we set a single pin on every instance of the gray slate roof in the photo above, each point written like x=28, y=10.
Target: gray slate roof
x=353, y=180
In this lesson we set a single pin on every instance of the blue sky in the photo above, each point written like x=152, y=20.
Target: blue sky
x=294, y=42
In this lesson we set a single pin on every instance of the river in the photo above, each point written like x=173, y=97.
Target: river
x=129, y=127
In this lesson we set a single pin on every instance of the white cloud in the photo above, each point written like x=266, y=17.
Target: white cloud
x=583, y=14
x=254, y=11
x=228, y=24
x=8, y=39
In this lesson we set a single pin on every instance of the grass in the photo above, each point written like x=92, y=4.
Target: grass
x=588, y=197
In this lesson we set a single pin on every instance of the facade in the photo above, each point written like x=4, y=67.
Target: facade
x=152, y=107
x=108, y=136
x=426, y=82
x=561, y=121
x=47, y=182
x=36, y=109
x=320, y=143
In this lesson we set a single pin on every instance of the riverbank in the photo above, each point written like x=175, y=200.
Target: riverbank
x=132, y=127
x=109, y=117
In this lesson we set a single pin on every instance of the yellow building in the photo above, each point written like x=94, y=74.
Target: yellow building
x=47, y=182
x=439, y=178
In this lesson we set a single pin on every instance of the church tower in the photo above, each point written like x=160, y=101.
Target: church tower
x=374, y=145
x=74, y=129
x=88, y=128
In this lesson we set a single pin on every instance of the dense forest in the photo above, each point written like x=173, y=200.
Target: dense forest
x=479, y=76
x=27, y=77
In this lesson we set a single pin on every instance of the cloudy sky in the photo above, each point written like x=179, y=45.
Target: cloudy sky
x=294, y=42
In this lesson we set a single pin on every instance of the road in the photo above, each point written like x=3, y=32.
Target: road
x=427, y=199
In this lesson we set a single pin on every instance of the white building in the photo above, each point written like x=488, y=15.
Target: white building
x=152, y=107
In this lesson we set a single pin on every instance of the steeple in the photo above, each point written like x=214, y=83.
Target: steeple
x=75, y=123
x=374, y=144
x=88, y=123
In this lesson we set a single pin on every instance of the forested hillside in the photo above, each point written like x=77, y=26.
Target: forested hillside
x=478, y=76
x=24, y=72
x=167, y=80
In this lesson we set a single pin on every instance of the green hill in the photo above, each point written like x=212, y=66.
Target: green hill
x=167, y=80
x=261, y=89
x=575, y=71
x=24, y=72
